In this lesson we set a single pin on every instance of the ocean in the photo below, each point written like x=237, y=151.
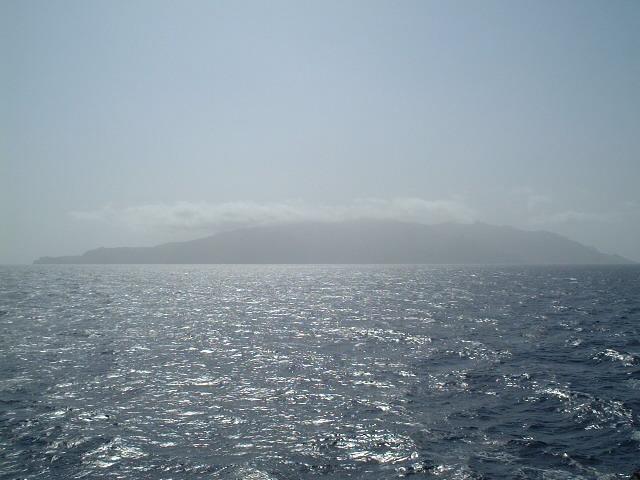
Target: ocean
x=305, y=372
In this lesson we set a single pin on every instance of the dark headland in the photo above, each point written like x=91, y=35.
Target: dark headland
x=360, y=242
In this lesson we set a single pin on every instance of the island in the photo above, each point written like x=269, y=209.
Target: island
x=359, y=242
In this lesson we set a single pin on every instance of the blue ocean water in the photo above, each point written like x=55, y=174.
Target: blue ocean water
x=300, y=372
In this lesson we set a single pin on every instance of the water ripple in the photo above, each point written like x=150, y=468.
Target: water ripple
x=290, y=372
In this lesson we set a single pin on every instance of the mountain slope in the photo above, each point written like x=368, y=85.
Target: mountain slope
x=364, y=241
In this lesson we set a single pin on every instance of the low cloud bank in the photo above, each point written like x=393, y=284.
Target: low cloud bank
x=215, y=216
x=572, y=216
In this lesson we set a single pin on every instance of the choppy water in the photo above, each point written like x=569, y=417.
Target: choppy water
x=319, y=372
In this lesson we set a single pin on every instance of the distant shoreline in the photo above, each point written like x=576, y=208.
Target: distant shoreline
x=359, y=242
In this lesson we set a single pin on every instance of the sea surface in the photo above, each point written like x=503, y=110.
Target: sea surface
x=327, y=372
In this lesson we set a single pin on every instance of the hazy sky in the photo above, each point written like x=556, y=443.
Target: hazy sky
x=138, y=122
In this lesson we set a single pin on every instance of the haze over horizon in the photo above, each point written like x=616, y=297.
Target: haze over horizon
x=134, y=124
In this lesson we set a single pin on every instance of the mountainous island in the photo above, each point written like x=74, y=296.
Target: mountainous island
x=359, y=242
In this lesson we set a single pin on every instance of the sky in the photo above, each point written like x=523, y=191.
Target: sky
x=140, y=122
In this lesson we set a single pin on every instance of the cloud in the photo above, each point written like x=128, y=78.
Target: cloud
x=539, y=210
x=532, y=199
x=187, y=216
x=573, y=216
